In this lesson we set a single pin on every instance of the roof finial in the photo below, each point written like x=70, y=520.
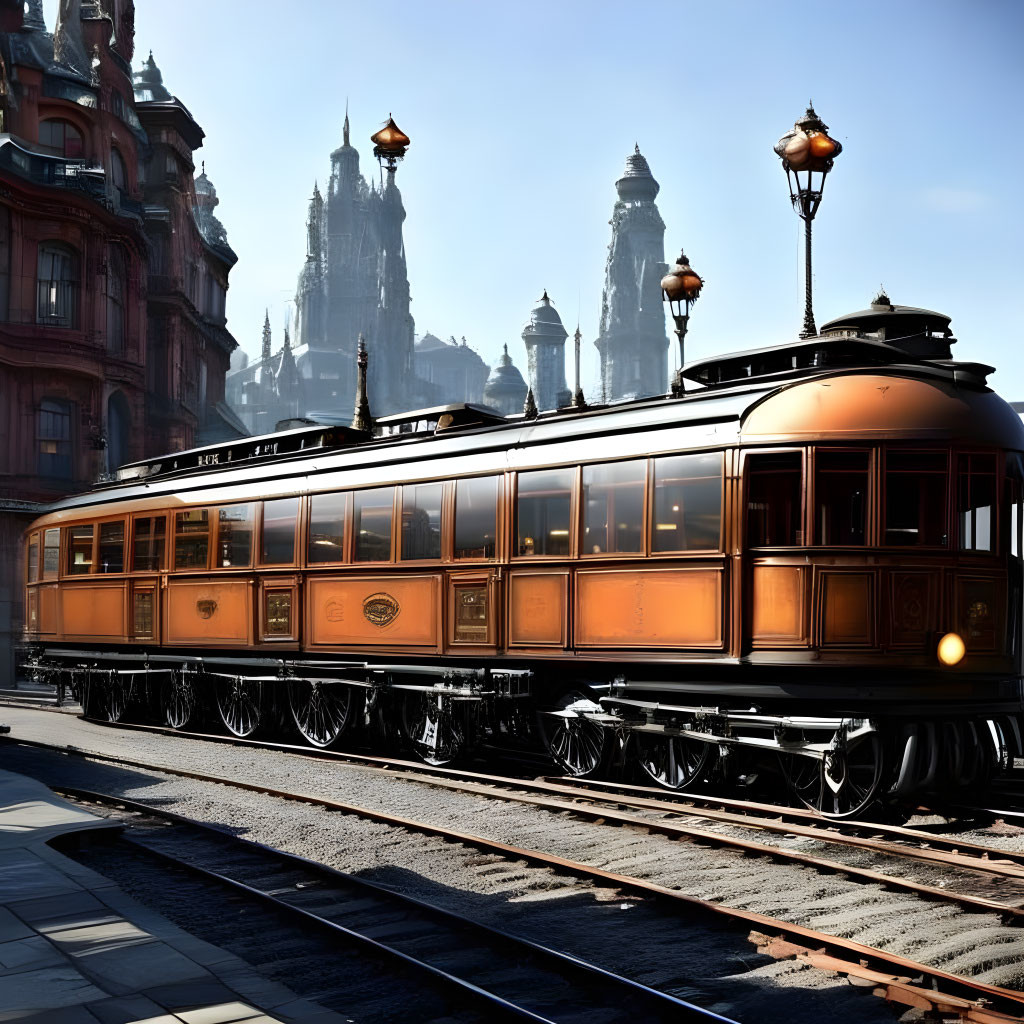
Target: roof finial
x=544, y=298
x=530, y=405
x=344, y=131
x=361, y=418
x=265, y=354
x=636, y=148
x=203, y=171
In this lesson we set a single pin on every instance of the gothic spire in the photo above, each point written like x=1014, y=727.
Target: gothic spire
x=344, y=131
x=34, y=21
x=314, y=247
x=287, y=341
x=530, y=406
x=266, y=337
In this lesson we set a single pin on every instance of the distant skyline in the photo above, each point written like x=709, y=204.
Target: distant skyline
x=522, y=116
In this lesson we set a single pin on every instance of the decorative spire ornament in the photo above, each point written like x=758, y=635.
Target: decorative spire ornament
x=265, y=356
x=361, y=418
x=530, y=405
x=577, y=396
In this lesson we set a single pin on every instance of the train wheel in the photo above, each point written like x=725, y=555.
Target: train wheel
x=321, y=712
x=178, y=699
x=114, y=695
x=437, y=728
x=240, y=704
x=675, y=762
x=576, y=744
x=845, y=783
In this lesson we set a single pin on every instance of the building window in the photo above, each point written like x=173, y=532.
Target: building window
x=54, y=439
x=61, y=138
x=57, y=285
x=116, y=288
x=118, y=171
x=5, y=261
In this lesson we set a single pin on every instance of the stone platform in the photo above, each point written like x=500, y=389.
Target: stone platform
x=74, y=949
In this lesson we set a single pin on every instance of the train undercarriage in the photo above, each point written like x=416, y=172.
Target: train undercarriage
x=840, y=761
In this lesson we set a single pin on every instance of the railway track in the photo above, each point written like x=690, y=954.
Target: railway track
x=466, y=958
x=897, y=978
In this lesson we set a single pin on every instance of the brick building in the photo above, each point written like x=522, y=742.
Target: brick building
x=113, y=270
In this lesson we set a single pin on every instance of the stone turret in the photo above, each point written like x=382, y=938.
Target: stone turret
x=505, y=389
x=544, y=337
x=149, y=83
x=632, y=342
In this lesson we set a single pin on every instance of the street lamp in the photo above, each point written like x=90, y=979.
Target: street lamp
x=389, y=145
x=807, y=151
x=681, y=288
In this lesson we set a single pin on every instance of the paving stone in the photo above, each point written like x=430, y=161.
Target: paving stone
x=64, y=1015
x=125, y=1010
x=191, y=995
x=48, y=988
x=224, y=1013
x=98, y=938
x=252, y=986
x=27, y=877
x=53, y=913
x=131, y=968
x=28, y=954
x=11, y=927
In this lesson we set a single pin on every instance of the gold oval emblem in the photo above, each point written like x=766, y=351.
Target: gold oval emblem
x=380, y=609
x=206, y=607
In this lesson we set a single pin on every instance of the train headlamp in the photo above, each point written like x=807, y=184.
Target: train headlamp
x=951, y=649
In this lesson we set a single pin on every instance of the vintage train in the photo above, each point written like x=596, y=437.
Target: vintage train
x=812, y=557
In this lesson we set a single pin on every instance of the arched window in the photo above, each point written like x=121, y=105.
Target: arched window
x=119, y=425
x=118, y=171
x=57, y=285
x=116, y=289
x=61, y=138
x=53, y=435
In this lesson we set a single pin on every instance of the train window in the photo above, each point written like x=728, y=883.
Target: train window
x=148, y=543
x=371, y=521
x=234, y=536
x=421, y=521
x=840, y=497
x=192, y=539
x=111, y=547
x=80, y=549
x=476, y=516
x=976, y=501
x=916, y=485
x=327, y=528
x=774, y=486
x=688, y=503
x=543, y=512
x=32, y=558
x=51, y=553
x=279, y=520
x=613, y=507
x=1013, y=496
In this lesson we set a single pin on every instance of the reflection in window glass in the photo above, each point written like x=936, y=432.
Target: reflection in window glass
x=976, y=501
x=915, y=498
x=279, y=520
x=421, y=521
x=80, y=550
x=234, y=536
x=327, y=528
x=687, y=503
x=773, y=500
x=191, y=539
x=148, y=544
x=371, y=521
x=840, y=497
x=1013, y=496
x=613, y=507
x=33, y=558
x=51, y=553
x=476, y=513
x=111, y=549
x=543, y=512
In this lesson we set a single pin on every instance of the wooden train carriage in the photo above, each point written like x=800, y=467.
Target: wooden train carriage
x=769, y=562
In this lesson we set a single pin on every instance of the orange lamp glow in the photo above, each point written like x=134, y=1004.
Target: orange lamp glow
x=951, y=649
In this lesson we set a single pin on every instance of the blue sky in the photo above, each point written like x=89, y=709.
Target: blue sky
x=521, y=117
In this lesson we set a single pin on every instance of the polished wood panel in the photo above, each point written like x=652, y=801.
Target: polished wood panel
x=538, y=609
x=279, y=609
x=93, y=610
x=913, y=607
x=209, y=611
x=649, y=607
x=845, y=608
x=980, y=611
x=391, y=611
x=473, y=599
x=47, y=608
x=779, y=612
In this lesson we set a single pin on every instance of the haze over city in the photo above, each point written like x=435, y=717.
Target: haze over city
x=521, y=119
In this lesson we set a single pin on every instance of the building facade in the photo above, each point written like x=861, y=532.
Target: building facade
x=80, y=372
x=448, y=371
x=505, y=389
x=632, y=342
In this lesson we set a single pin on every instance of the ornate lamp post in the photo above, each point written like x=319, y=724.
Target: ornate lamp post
x=681, y=287
x=389, y=145
x=806, y=152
